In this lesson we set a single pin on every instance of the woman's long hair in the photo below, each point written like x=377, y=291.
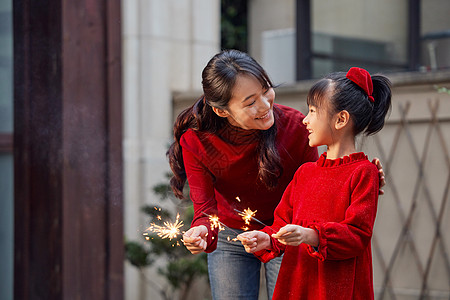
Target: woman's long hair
x=218, y=79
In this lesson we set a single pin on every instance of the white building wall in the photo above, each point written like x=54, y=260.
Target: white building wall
x=166, y=44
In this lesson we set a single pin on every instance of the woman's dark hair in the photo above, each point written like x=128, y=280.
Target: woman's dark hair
x=218, y=79
x=367, y=116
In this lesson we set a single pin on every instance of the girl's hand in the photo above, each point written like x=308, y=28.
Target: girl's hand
x=294, y=235
x=195, y=239
x=254, y=241
x=377, y=163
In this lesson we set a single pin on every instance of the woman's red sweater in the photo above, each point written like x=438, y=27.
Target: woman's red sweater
x=338, y=198
x=223, y=166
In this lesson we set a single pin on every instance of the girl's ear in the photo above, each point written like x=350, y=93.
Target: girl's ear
x=342, y=119
x=220, y=112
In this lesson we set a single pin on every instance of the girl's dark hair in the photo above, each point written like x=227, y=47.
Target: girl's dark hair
x=218, y=79
x=367, y=116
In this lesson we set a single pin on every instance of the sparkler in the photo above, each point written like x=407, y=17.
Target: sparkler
x=215, y=223
x=248, y=215
x=169, y=230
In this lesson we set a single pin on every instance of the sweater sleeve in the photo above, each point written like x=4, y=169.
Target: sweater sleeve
x=201, y=191
x=348, y=238
x=282, y=217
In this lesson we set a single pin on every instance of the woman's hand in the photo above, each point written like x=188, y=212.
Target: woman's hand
x=294, y=235
x=195, y=239
x=254, y=241
x=377, y=163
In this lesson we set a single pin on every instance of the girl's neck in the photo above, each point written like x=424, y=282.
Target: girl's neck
x=344, y=147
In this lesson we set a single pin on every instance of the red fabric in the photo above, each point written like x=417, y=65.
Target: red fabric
x=338, y=198
x=223, y=166
x=362, y=78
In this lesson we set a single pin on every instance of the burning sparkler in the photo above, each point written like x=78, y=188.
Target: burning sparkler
x=248, y=215
x=169, y=230
x=215, y=223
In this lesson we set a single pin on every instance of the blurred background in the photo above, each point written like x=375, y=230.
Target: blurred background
x=152, y=53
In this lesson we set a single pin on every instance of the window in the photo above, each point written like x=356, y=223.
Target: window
x=379, y=35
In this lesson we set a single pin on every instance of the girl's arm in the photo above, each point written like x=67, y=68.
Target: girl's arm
x=282, y=216
x=347, y=239
x=254, y=241
x=294, y=235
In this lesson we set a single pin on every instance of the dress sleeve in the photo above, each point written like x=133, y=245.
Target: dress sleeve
x=282, y=217
x=201, y=191
x=348, y=238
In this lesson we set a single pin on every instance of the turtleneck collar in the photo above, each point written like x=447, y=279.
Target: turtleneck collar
x=238, y=136
x=324, y=162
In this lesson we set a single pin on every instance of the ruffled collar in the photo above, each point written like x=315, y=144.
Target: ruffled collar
x=238, y=136
x=327, y=163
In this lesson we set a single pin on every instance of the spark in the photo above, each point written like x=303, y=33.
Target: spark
x=237, y=198
x=168, y=230
x=232, y=240
x=215, y=223
x=247, y=215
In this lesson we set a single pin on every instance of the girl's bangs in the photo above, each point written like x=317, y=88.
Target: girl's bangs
x=317, y=92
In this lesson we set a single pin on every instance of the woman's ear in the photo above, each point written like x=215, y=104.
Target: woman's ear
x=220, y=112
x=342, y=119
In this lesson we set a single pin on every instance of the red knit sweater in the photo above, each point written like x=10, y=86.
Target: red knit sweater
x=223, y=166
x=338, y=198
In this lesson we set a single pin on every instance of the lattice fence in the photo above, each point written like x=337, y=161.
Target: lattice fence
x=411, y=240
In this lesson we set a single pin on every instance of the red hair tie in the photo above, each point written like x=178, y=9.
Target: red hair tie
x=362, y=78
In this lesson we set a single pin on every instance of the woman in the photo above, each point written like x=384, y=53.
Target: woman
x=238, y=150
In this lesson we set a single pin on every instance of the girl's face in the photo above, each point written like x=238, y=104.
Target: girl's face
x=318, y=124
x=250, y=106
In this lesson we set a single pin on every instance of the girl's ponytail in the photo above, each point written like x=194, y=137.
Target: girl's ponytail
x=381, y=105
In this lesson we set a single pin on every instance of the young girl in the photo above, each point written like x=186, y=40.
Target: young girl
x=324, y=222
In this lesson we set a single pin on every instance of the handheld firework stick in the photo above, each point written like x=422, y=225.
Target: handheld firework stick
x=248, y=215
x=169, y=230
x=215, y=223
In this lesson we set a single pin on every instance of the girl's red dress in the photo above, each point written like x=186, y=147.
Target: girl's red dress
x=223, y=166
x=338, y=198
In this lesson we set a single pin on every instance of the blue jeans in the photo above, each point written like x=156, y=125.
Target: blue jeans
x=234, y=274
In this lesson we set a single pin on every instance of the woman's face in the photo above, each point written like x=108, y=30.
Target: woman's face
x=251, y=105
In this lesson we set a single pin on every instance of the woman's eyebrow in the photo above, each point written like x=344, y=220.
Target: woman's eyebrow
x=248, y=97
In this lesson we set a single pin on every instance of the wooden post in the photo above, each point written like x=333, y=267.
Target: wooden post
x=67, y=150
x=303, y=50
x=414, y=34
